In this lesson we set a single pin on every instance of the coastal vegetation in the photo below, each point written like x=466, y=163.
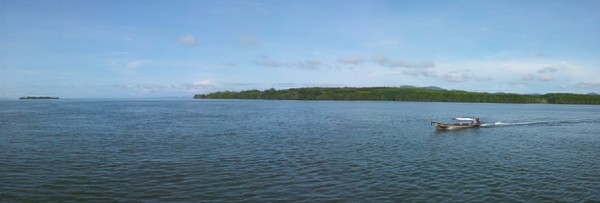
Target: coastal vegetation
x=35, y=97
x=428, y=94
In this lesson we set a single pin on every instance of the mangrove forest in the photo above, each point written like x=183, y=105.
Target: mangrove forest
x=37, y=97
x=429, y=94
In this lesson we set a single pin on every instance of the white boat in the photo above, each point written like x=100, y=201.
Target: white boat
x=466, y=123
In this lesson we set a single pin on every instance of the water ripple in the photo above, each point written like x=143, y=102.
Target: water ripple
x=265, y=151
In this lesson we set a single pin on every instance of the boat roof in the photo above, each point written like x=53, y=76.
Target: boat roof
x=464, y=119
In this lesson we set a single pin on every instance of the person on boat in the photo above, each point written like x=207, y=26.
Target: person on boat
x=476, y=121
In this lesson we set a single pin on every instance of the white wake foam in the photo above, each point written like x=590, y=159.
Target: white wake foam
x=508, y=124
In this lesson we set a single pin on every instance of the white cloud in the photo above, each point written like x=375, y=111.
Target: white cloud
x=539, y=74
x=507, y=70
x=188, y=40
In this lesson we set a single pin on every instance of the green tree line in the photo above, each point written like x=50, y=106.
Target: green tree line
x=400, y=94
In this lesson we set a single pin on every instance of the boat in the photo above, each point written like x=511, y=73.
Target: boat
x=464, y=123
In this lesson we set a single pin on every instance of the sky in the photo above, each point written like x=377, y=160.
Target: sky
x=161, y=48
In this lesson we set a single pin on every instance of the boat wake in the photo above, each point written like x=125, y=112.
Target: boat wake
x=511, y=124
x=563, y=122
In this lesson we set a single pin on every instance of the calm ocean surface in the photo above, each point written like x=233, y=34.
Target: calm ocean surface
x=295, y=151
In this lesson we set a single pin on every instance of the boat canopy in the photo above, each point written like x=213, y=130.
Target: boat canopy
x=464, y=119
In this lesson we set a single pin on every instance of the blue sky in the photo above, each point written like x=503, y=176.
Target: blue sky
x=106, y=49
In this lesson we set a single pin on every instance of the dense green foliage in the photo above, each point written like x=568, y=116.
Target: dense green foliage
x=400, y=94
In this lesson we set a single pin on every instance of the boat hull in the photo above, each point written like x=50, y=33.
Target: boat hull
x=454, y=126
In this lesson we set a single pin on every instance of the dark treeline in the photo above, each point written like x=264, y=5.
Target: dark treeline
x=43, y=97
x=400, y=94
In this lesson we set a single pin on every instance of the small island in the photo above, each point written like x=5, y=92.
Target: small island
x=405, y=93
x=37, y=97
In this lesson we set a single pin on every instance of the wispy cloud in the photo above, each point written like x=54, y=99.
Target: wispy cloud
x=130, y=67
x=458, y=76
x=548, y=70
x=270, y=63
x=383, y=43
x=248, y=40
x=517, y=82
x=543, y=75
x=591, y=86
x=203, y=83
x=141, y=89
x=187, y=40
x=310, y=64
x=421, y=72
x=136, y=63
x=423, y=68
x=526, y=73
x=351, y=60
x=30, y=72
x=392, y=63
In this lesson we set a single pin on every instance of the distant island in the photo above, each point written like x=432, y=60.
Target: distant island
x=405, y=93
x=33, y=97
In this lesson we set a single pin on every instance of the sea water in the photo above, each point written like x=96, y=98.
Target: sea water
x=295, y=151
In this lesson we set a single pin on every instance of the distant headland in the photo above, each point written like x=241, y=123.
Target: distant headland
x=36, y=97
x=404, y=93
